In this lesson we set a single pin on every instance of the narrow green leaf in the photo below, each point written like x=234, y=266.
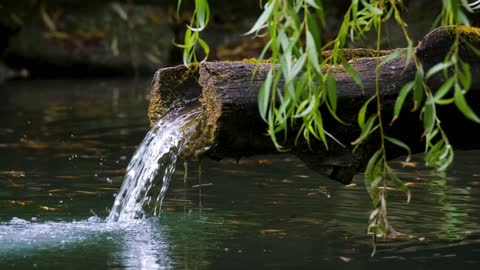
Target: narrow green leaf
x=401, y=145
x=429, y=115
x=438, y=67
x=312, y=3
x=368, y=128
x=418, y=91
x=474, y=49
x=362, y=113
x=259, y=24
x=391, y=57
x=296, y=68
x=443, y=90
x=264, y=95
x=317, y=117
x=179, y=4
x=371, y=163
x=352, y=72
x=311, y=105
x=401, y=99
x=205, y=48
x=372, y=9
x=465, y=76
x=312, y=52
x=332, y=91
x=463, y=106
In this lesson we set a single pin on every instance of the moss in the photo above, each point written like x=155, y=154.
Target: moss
x=358, y=53
x=192, y=70
x=469, y=34
x=256, y=61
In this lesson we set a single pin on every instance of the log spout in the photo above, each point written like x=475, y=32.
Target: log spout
x=232, y=125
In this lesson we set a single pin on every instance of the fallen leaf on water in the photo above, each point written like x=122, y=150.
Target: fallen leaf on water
x=37, y=145
x=202, y=185
x=86, y=192
x=56, y=35
x=57, y=190
x=265, y=231
x=345, y=259
x=169, y=209
x=276, y=202
x=408, y=164
x=108, y=188
x=69, y=177
x=234, y=222
x=264, y=161
x=408, y=184
x=13, y=184
x=48, y=208
x=323, y=187
x=22, y=203
x=306, y=220
x=13, y=173
x=351, y=185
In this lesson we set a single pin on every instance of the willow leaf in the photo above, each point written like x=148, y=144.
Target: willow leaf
x=418, y=91
x=463, y=106
x=438, y=67
x=362, y=113
x=332, y=91
x=264, y=95
x=352, y=72
x=259, y=24
x=366, y=130
x=312, y=51
x=401, y=99
x=443, y=90
x=400, y=144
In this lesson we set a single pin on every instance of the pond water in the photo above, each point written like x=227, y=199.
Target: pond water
x=64, y=148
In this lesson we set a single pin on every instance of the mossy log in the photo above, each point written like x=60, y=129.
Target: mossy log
x=228, y=93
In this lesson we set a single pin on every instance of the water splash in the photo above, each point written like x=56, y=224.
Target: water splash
x=152, y=166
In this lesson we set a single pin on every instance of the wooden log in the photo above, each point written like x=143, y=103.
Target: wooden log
x=228, y=93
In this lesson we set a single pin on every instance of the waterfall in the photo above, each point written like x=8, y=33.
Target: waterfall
x=153, y=165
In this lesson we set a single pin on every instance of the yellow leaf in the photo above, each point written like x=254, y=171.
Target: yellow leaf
x=265, y=231
x=408, y=164
x=48, y=208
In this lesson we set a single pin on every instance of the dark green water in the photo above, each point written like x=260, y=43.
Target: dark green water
x=64, y=146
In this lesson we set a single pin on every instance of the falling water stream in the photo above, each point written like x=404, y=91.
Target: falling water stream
x=152, y=166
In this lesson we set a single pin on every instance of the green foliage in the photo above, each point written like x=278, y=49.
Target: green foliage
x=300, y=83
x=192, y=40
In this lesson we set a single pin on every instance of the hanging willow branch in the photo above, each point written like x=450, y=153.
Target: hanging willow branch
x=294, y=28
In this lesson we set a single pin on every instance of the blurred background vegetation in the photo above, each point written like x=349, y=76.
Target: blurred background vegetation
x=78, y=38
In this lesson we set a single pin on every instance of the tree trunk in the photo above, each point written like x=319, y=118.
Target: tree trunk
x=228, y=93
